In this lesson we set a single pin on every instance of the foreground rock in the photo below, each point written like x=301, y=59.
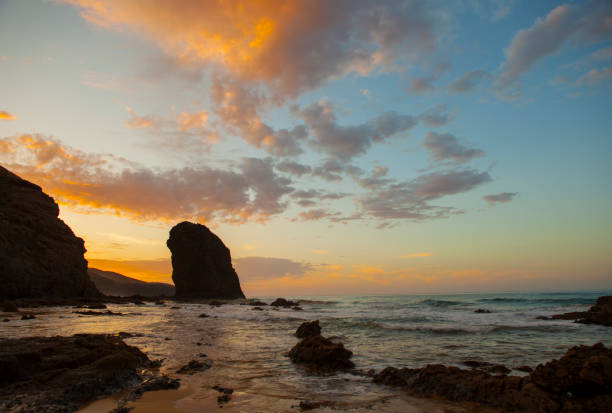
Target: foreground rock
x=39, y=254
x=322, y=354
x=115, y=284
x=580, y=381
x=201, y=264
x=308, y=328
x=600, y=313
x=61, y=374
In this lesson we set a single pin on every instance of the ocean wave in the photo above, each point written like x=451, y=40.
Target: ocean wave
x=316, y=302
x=440, y=303
x=543, y=300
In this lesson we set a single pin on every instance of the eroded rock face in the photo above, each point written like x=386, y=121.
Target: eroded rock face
x=580, y=381
x=40, y=257
x=201, y=264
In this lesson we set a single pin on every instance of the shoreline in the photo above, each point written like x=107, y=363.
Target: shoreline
x=212, y=337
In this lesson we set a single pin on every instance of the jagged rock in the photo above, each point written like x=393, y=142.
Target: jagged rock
x=201, y=264
x=525, y=369
x=581, y=370
x=580, y=381
x=60, y=374
x=600, y=313
x=321, y=353
x=281, y=302
x=39, y=254
x=308, y=328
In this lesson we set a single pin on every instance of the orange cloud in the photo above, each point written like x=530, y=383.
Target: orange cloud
x=291, y=45
x=137, y=122
x=186, y=121
x=247, y=191
x=6, y=116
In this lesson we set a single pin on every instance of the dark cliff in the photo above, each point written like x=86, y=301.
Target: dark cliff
x=40, y=256
x=201, y=264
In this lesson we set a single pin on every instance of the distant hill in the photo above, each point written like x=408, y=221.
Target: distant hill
x=112, y=283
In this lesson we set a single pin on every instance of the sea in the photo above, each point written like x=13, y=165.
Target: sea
x=248, y=348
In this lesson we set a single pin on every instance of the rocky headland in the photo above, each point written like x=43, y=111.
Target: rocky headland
x=600, y=313
x=201, y=264
x=39, y=254
x=115, y=284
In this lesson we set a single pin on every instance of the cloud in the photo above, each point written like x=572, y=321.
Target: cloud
x=247, y=191
x=437, y=116
x=6, y=116
x=424, y=84
x=261, y=268
x=237, y=107
x=585, y=23
x=595, y=76
x=291, y=46
x=187, y=121
x=412, y=199
x=137, y=122
x=293, y=168
x=468, y=81
x=503, y=197
x=345, y=142
x=446, y=147
x=331, y=170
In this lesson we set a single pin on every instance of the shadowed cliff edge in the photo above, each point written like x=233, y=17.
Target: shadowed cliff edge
x=40, y=257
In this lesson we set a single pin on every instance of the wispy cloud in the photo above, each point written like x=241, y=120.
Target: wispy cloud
x=499, y=198
x=6, y=116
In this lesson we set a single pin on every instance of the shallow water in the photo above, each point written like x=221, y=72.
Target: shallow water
x=248, y=347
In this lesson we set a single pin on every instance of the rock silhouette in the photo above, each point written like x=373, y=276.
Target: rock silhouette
x=201, y=264
x=600, y=313
x=580, y=381
x=40, y=257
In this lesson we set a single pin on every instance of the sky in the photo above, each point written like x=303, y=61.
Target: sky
x=344, y=147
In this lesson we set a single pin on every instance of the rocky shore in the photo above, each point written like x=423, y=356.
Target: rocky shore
x=600, y=313
x=580, y=381
x=61, y=374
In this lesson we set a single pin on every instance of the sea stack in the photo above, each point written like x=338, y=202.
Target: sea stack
x=40, y=257
x=201, y=264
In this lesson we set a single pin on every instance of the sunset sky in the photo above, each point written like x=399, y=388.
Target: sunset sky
x=336, y=147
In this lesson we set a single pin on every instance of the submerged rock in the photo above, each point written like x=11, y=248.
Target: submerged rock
x=482, y=311
x=580, y=381
x=308, y=328
x=39, y=254
x=59, y=374
x=320, y=352
x=193, y=366
x=281, y=302
x=201, y=264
